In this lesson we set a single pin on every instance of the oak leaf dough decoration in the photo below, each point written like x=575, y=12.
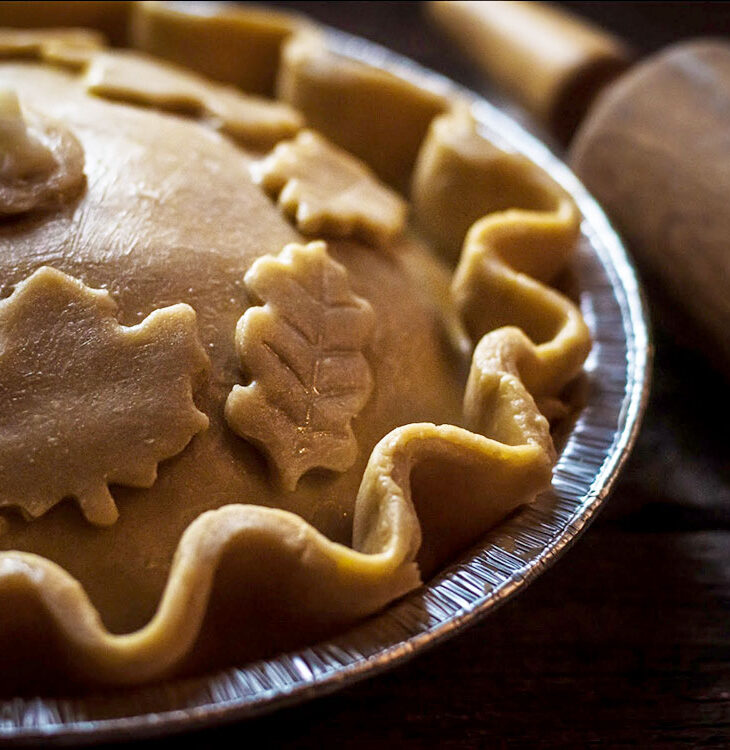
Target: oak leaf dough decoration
x=303, y=350
x=326, y=191
x=86, y=401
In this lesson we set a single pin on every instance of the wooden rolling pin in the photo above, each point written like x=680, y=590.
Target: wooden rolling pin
x=653, y=145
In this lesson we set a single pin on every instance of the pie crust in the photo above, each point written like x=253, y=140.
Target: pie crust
x=305, y=399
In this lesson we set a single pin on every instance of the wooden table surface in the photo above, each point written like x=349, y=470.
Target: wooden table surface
x=625, y=642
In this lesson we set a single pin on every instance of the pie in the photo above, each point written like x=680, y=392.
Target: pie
x=266, y=363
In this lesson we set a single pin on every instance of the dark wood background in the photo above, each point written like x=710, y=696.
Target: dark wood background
x=626, y=641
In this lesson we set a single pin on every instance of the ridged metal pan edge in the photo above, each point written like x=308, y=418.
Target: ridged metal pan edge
x=501, y=565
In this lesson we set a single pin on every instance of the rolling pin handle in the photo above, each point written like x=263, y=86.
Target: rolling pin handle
x=551, y=62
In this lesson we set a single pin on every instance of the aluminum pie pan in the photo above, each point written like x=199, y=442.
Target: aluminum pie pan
x=503, y=563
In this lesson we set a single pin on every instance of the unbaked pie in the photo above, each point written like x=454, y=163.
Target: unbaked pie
x=265, y=364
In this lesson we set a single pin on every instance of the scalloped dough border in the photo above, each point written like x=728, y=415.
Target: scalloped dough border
x=518, y=457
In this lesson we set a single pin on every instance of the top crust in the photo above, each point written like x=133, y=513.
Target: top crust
x=386, y=463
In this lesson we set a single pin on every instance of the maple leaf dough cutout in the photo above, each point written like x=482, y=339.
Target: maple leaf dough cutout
x=303, y=350
x=326, y=191
x=86, y=401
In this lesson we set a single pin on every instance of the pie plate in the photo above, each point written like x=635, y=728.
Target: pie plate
x=501, y=565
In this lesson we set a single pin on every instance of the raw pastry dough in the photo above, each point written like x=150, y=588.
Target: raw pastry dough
x=88, y=402
x=238, y=45
x=328, y=192
x=369, y=112
x=303, y=350
x=128, y=77
x=68, y=47
x=42, y=162
x=389, y=460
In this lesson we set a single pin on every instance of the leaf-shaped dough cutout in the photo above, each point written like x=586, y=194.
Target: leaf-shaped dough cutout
x=132, y=77
x=252, y=121
x=303, y=350
x=329, y=192
x=379, y=116
x=87, y=402
x=70, y=48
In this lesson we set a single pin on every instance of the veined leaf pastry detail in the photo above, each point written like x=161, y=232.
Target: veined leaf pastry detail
x=326, y=191
x=303, y=350
x=121, y=402
x=132, y=77
x=190, y=578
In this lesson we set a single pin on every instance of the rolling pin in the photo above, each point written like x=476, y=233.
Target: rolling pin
x=651, y=143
